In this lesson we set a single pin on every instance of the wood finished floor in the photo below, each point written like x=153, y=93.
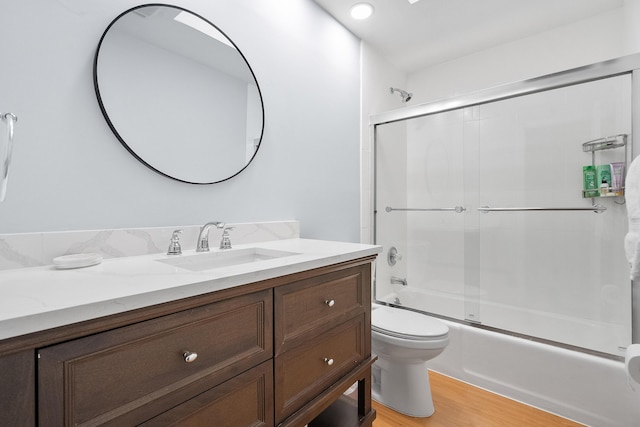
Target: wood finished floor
x=461, y=405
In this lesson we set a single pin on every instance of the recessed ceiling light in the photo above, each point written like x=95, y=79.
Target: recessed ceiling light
x=361, y=10
x=413, y=1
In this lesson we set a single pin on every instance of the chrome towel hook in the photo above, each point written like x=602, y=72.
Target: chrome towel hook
x=6, y=149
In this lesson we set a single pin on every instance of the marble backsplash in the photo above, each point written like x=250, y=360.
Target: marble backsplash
x=38, y=249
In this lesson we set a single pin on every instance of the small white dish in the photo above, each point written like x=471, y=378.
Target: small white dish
x=77, y=261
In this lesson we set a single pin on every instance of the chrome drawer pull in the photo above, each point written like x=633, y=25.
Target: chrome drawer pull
x=189, y=356
x=328, y=361
x=330, y=302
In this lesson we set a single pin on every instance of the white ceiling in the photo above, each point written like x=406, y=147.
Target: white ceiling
x=419, y=35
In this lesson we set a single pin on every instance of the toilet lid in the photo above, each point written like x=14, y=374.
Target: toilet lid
x=406, y=324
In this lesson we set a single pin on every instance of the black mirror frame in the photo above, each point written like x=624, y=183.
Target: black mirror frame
x=115, y=131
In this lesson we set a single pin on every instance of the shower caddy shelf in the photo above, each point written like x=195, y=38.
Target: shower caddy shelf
x=607, y=143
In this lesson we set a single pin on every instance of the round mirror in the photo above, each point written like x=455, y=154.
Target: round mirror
x=178, y=94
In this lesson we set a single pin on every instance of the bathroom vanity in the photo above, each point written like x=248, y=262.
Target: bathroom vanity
x=260, y=343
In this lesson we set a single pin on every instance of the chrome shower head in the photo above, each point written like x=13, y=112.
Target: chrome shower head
x=406, y=96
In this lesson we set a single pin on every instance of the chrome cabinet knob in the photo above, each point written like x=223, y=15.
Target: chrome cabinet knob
x=328, y=361
x=189, y=356
x=330, y=302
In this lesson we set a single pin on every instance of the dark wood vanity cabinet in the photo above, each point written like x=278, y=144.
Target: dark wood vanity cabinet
x=126, y=375
x=279, y=352
x=244, y=400
x=18, y=389
x=322, y=331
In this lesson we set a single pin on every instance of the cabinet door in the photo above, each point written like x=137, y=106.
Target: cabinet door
x=246, y=400
x=128, y=375
x=18, y=389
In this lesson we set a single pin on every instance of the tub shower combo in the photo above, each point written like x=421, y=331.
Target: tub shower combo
x=481, y=207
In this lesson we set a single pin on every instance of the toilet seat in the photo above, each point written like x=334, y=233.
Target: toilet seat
x=407, y=324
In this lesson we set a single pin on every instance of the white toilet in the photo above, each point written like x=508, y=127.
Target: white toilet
x=404, y=340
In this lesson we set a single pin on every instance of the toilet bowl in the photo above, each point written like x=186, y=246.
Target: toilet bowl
x=404, y=341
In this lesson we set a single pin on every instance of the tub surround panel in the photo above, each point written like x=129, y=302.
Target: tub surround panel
x=38, y=249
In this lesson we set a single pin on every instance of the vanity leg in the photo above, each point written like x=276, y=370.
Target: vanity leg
x=365, y=411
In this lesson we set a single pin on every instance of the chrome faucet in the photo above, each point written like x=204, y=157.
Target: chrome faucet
x=398, y=281
x=203, y=238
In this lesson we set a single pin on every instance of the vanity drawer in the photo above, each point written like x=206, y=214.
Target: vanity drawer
x=305, y=371
x=128, y=375
x=245, y=400
x=322, y=301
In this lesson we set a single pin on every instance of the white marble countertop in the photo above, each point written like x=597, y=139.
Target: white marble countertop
x=40, y=298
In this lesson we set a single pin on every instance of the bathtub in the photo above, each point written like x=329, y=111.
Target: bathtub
x=588, y=389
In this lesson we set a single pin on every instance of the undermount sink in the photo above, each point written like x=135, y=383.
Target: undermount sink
x=210, y=260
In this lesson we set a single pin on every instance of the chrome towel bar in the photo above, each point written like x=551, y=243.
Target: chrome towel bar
x=457, y=209
x=487, y=209
x=594, y=208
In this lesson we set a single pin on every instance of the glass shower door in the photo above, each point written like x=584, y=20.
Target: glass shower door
x=484, y=207
x=557, y=275
x=420, y=211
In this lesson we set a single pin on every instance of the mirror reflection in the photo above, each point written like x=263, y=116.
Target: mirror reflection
x=178, y=94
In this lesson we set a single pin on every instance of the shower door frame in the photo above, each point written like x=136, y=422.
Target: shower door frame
x=626, y=65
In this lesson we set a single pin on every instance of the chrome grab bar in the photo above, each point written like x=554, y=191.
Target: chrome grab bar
x=457, y=209
x=594, y=208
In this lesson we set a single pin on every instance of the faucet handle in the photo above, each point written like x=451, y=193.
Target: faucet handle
x=225, y=242
x=174, y=245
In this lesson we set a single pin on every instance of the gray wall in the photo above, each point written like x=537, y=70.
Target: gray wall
x=69, y=172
